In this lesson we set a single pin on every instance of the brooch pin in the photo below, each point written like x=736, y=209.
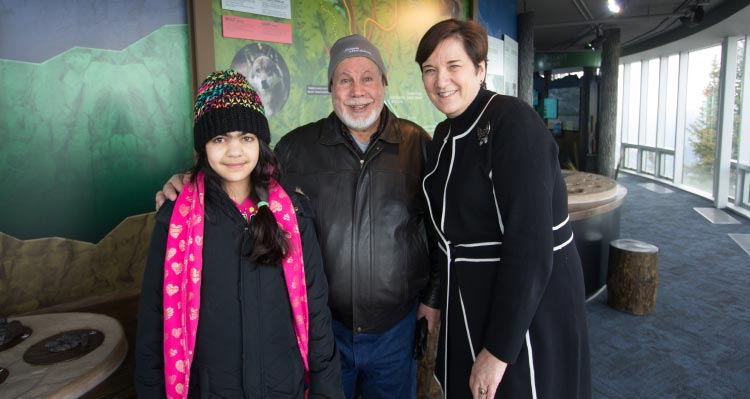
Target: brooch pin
x=483, y=134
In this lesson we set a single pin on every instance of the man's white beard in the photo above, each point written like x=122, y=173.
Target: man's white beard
x=360, y=124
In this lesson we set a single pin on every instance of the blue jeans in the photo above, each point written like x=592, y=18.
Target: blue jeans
x=382, y=364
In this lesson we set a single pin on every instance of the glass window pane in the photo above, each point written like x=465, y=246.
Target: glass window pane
x=634, y=103
x=667, y=166
x=620, y=77
x=648, y=162
x=738, y=99
x=670, y=125
x=701, y=118
x=631, y=158
x=648, y=137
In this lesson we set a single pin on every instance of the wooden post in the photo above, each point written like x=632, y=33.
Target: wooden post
x=606, y=153
x=427, y=387
x=633, y=276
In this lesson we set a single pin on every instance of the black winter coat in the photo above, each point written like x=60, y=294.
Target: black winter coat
x=370, y=217
x=245, y=345
x=514, y=281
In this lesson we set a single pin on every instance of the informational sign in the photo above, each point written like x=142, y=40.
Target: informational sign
x=510, y=65
x=256, y=29
x=495, y=56
x=550, y=108
x=271, y=8
x=553, y=60
x=495, y=60
x=292, y=79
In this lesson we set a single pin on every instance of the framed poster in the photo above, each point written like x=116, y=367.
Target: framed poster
x=291, y=78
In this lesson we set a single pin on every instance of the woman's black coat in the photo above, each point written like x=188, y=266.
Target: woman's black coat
x=513, y=281
x=245, y=346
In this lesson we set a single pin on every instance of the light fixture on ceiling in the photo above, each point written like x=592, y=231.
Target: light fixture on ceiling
x=693, y=17
x=614, y=6
x=596, y=43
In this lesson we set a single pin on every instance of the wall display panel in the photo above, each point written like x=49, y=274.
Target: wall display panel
x=90, y=114
x=293, y=77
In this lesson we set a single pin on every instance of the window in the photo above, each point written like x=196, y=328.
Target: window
x=634, y=101
x=648, y=136
x=701, y=117
x=670, y=123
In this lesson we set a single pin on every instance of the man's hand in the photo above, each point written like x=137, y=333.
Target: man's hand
x=431, y=314
x=171, y=188
x=486, y=375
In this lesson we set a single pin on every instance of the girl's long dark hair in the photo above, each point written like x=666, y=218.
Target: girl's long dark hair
x=269, y=242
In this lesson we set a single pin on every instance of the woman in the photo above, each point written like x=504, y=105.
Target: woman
x=513, y=318
x=233, y=303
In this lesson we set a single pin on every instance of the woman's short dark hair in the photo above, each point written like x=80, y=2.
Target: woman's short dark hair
x=472, y=35
x=270, y=244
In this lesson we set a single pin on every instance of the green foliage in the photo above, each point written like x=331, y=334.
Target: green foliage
x=316, y=27
x=703, y=131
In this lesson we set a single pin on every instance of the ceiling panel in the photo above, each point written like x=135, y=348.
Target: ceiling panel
x=570, y=25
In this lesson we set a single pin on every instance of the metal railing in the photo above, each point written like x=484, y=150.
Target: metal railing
x=741, y=197
x=642, y=152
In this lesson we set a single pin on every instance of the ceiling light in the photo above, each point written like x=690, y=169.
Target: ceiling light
x=613, y=6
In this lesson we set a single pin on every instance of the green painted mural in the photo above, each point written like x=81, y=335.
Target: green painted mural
x=89, y=135
x=395, y=27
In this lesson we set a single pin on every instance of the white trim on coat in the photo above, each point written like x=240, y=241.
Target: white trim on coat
x=477, y=260
x=555, y=228
x=480, y=244
x=466, y=326
x=561, y=246
x=497, y=206
x=532, y=376
x=440, y=233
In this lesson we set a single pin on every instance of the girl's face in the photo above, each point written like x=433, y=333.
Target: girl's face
x=450, y=78
x=233, y=156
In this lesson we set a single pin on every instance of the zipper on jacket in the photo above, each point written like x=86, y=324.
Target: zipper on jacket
x=260, y=328
x=240, y=295
x=371, y=153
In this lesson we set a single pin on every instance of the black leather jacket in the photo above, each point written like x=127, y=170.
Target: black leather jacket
x=370, y=217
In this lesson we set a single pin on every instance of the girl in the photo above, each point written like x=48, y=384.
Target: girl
x=233, y=303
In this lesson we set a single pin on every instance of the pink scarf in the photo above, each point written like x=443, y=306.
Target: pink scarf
x=182, y=280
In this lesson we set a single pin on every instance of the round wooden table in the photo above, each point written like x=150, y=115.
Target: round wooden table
x=594, y=205
x=66, y=379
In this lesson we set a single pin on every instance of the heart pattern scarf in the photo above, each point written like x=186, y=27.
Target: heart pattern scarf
x=182, y=280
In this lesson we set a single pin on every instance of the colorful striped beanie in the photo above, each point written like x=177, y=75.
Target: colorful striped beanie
x=225, y=103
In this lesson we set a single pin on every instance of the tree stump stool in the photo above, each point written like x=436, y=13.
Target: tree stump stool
x=632, y=276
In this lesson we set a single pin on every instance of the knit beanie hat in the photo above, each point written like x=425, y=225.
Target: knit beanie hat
x=226, y=103
x=353, y=46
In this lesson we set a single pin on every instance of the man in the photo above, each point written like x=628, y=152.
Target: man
x=362, y=168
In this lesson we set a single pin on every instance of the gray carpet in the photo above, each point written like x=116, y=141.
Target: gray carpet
x=696, y=343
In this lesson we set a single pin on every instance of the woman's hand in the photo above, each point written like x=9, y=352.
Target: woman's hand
x=486, y=375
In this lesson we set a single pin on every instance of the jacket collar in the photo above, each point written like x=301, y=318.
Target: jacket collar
x=333, y=131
